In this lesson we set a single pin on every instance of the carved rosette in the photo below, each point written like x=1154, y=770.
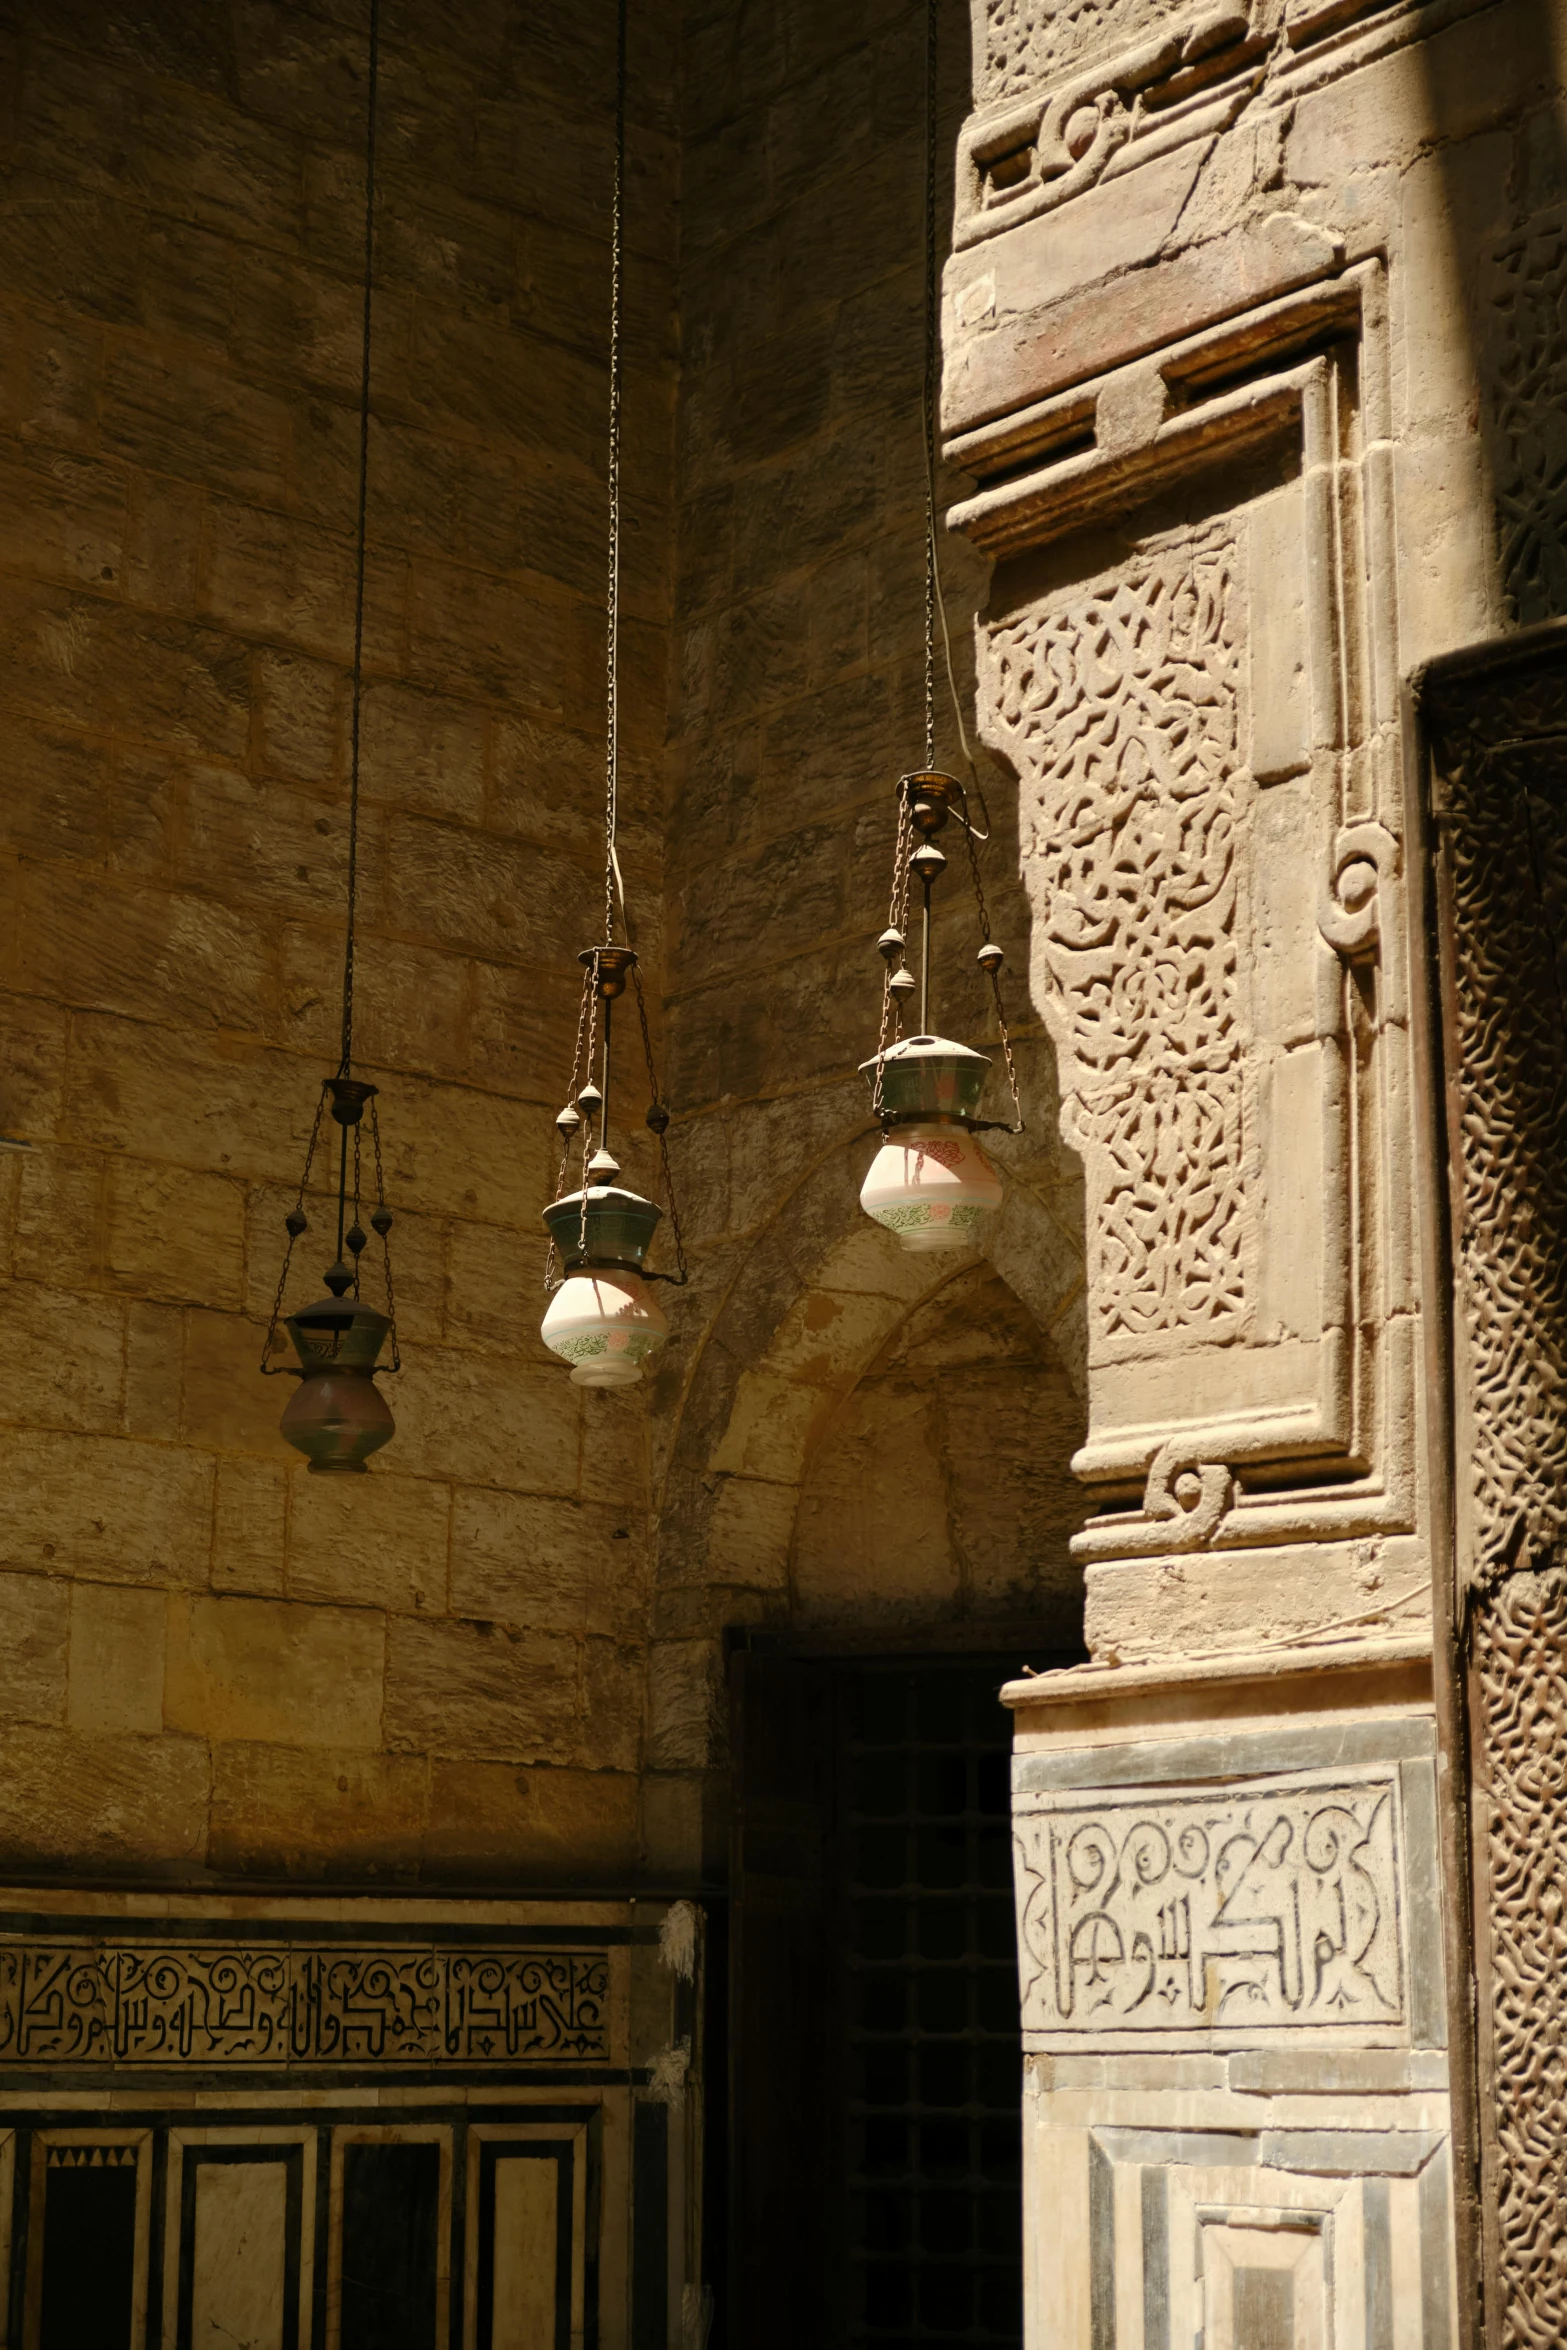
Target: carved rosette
x=1498, y=730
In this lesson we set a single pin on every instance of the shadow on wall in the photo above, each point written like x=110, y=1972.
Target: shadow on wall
x=878, y=1439
x=943, y=1486
x=1494, y=91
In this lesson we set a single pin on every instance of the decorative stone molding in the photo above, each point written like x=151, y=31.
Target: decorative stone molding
x=1070, y=95
x=1236, y=2122
x=1205, y=735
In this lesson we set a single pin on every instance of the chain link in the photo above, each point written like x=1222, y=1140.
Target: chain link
x=991, y=973
x=270, y=1368
x=612, y=599
x=572, y=1092
x=345, y=1065
x=932, y=575
x=396, y=1363
x=681, y=1275
x=356, y=1226
x=587, y=1123
x=897, y=919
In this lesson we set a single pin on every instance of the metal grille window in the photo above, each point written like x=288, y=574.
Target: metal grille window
x=931, y=2014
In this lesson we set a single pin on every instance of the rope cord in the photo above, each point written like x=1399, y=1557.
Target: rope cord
x=612, y=595
x=372, y=93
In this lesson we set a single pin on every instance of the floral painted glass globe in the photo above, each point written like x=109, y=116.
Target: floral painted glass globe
x=603, y=1319
x=930, y=1183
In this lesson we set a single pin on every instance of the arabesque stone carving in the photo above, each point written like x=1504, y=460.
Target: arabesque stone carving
x=1120, y=709
x=1497, y=733
x=1521, y=1655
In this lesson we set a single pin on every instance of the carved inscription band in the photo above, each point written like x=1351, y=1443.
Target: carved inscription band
x=77, y=2002
x=1266, y=1907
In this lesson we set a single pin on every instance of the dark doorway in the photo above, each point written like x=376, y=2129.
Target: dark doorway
x=875, y=2046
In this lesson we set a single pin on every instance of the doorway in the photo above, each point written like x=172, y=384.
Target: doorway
x=876, y=2074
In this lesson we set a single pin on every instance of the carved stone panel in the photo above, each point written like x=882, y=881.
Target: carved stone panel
x=1205, y=743
x=1224, y=1911
x=1123, y=705
x=1497, y=728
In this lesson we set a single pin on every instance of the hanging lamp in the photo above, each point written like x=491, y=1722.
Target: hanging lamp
x=603, y=1317
x=337, y=1416
x=931, y=1183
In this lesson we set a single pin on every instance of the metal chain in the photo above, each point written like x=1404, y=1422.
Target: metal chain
x=932, y=580
x=612, y=601
x=356, y=1226
x=992, y=973
x=934, y=596
x=565, y=1148
x=897, y=919
x=587, y=1123
x=269, y=1368
x=396, y=1363
x=681, y=1276
x=345, y=1064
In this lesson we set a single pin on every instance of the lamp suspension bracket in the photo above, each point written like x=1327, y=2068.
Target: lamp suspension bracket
x=930, y=1183
x=338, y=1417
x=602, y=1316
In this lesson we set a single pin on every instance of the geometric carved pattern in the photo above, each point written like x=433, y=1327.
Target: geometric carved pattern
x=1120, y=710
x=1503, y=819
x=1230, y=1910
x=208, y=2003
x=1520, y=1642
x=1498, y=726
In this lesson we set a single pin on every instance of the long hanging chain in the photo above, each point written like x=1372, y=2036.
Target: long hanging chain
x=936, y=615
x=612, y=597
x=932, y=570
x=579, y=1065
x=296, y=1222
x=935, y=606
x=355, y=718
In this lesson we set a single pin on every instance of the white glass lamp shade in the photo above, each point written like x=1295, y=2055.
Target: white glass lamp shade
x=605, y=1322
x=932, y=1186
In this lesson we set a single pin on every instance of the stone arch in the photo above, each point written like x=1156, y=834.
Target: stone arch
x=812, y=1307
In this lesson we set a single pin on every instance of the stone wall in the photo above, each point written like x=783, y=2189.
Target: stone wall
x=800, y=702
x=487, y=1660
x=210, y=1660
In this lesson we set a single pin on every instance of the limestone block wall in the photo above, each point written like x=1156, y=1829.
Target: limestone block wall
x=843, y=1447
x=209, y=1662
x=499, y=1655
